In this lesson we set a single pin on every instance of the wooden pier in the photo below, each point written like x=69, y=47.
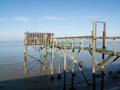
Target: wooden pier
x=63, y=45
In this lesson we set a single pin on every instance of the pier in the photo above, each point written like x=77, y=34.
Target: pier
x=70, y=47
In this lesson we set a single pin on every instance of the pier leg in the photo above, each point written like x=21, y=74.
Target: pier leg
x=72, y=86
x=25, y=59
x=40, y=60
x=52, y=66
x=59, y=75
x=52, y=60
x=73, y=74
x=102, y=73
x=64, y=64
x=102, y=80
x=94, y=82
x=26, y=81
x=93, y=55
x=103, y=56
x=45, y=60
x=64, y=80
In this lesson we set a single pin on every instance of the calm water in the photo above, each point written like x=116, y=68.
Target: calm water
x=12, y=52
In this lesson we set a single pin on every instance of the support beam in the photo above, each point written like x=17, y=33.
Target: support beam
x=65, y=40
x=111, y=63
x=93, y=56
x=103, y=56
x=45, y=59
x=72, y=86
x=114, y=45
x=45, y=53
x=52, y=59
x=99, y=67
x=25, y=59
x=82, y=43
x=41, y=60
x=59, y=75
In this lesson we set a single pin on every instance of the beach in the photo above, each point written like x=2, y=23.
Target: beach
x=13, y=78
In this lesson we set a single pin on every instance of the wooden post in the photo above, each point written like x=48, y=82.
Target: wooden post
x=40, y=60
x=25, y=59
x=114, y=45
x=72, y=86
x=59, y=75
x=72, y=53
x=52, y=58
x=103, y=56
x=93, y=57
x=65, y=63
x=81, y=41
x=45, y=56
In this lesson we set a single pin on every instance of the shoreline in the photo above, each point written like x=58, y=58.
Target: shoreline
x=13, y=78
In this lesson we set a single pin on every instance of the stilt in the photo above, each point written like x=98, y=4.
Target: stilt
x=65, y=64
x=52, y=60
x=45, y=59
x=26, y=81
x=25, y=59
x=41, y=60
x=64, y=80
x=93, y=55
x=59, y=75
x=94, y=82
x=72, y=80
x=102, y=80
x=45, y=56
x=103, y=55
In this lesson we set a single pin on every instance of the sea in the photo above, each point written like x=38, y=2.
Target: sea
x=12, y=54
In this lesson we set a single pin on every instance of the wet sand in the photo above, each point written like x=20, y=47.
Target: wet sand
x=13, y=78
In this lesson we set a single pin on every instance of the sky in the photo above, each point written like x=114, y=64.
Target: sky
x=61, y=17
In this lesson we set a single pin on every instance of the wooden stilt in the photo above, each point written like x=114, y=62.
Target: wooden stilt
x=72, y=86
x=41, y=60
x=59, y=75
x=103, y=56
x=25, y=59
x=93, y=56
x=52, y=59
x=65, y=64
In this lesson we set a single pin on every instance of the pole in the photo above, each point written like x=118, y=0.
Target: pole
x=25, y=59
x=40, y=59
x=72, y=86
x=65, y=64
x=59, y=75
x=93, y=56
x=52, y=59
x=103, y=55
x=45, y=55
